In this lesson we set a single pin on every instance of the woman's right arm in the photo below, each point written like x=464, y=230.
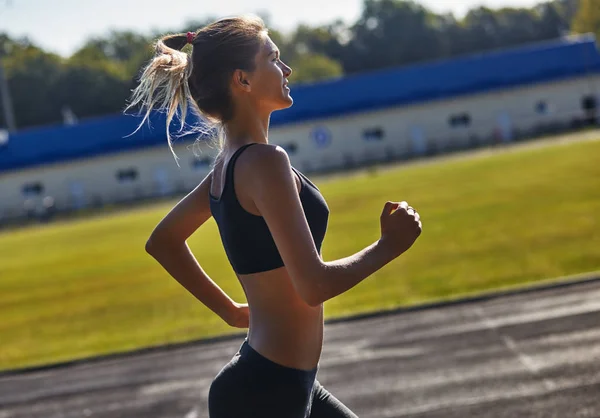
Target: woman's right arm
x=271, y=185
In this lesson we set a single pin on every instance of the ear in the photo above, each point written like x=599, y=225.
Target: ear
x=241, y=80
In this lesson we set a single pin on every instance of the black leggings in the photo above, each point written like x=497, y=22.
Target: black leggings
x=252, y=386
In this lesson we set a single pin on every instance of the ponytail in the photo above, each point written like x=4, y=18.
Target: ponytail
x=163, y=84
x=173, y=80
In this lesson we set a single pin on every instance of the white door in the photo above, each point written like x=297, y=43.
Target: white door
x=417, y=140
x=77, y=194
x=161, y=180
x=504, y=126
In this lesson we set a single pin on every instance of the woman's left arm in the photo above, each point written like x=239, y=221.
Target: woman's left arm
x=167, y=245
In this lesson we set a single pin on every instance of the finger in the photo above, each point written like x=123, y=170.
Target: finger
x=417, y=216
x=404, y=206
x=389, y=207
x=401, y=205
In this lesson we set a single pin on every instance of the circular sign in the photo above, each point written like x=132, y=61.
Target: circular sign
x=321, y=136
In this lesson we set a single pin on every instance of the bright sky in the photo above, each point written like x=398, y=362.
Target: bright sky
x=62, y=26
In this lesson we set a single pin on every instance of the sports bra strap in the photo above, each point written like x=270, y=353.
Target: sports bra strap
x=235, y=156
x=231, y=164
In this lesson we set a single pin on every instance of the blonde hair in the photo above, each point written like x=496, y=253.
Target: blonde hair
x=175, y=81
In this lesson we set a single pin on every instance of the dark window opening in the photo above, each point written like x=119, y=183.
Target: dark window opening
x=201, y=163
x=290, y=148
x=373, y=134
x=461, y=119
x=589, y=103
x=127, y=175
x=590, y=106
x=32, y=189
x=541, y=107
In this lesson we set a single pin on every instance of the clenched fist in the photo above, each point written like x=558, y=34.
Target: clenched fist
x=400, y=227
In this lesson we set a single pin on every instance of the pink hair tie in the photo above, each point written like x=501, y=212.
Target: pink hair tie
x=190, y=37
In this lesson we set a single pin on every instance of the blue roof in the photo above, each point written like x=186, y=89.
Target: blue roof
x=95, y=136
x=530, y=64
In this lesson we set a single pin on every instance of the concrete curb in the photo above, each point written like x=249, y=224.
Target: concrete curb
x=545, y=285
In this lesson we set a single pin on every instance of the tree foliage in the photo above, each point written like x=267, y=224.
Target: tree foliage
x=587, y=18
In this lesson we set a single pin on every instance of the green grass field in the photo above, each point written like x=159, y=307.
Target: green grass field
x=76, y=289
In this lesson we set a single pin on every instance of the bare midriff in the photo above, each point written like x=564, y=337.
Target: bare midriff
x=283, y=328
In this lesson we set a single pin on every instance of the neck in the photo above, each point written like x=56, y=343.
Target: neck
x=250, y=125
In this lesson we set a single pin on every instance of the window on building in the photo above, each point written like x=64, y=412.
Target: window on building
x=589, y=102
x=201, y=163
x=541, y=107
x=127, y=175
x=32, y=189
x=460, y=119
x=373, y=134
x=290, y=148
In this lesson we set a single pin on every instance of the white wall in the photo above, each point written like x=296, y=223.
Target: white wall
x=96, y=179
x=320, y=144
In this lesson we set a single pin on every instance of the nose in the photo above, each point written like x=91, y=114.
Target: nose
x=287, y=71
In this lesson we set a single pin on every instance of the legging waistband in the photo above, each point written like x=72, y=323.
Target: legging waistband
x=252, y=356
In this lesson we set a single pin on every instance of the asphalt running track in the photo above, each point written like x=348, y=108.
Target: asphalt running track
x=532, y=354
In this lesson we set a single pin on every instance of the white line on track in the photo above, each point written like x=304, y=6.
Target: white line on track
x=528, y=362
x=192, y=414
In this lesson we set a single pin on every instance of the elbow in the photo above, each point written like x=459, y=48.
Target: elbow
x=154, y=245
x=151, y=246
x=314, y=298
x=313, y=302
x=310, y=286
x=159, y=244
x=307, y=292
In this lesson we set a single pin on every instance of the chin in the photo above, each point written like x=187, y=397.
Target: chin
x=284, y=104
x=289, y=100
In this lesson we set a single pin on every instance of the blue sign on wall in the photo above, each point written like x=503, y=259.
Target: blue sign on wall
x=322, y=136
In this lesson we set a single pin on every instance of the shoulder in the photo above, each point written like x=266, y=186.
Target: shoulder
x=266, y=154
x=264, y=160
x=265, y=168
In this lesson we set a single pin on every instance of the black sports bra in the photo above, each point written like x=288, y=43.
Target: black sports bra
x=248, y=243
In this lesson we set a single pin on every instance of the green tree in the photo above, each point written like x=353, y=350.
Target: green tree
x=390, y=33
x=587, y=18
x=309, y=67
x=121, y=53
x=90, y=90
x=32, y=75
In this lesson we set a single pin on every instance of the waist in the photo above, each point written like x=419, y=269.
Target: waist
x=288, y=343
x=250, y=353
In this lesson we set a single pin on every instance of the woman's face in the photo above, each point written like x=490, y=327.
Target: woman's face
x=268, y=81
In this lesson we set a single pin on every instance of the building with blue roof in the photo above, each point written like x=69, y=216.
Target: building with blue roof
x=385, y=114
